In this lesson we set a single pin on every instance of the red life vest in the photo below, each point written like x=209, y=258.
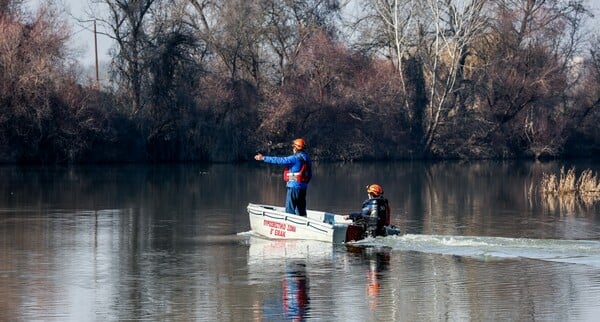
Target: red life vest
x=302, y=176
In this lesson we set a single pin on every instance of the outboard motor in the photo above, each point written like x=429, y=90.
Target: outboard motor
x=371, y=220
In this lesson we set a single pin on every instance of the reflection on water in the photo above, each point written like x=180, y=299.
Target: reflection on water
x=291, y=262
x=295, y=291
x=289, y=300
x=377, y=261
x=171, y=243
x=570, y=204
x=288, y=260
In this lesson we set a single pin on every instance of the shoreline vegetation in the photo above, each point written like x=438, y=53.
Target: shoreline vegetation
x=567, y=183
x=568, y=187
x=222, y=81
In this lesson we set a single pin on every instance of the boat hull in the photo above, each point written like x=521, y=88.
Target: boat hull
x=274, y=223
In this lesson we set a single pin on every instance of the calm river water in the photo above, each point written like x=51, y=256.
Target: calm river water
x=173, y=243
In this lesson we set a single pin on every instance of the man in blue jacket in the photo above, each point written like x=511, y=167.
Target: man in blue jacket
x=297, y=174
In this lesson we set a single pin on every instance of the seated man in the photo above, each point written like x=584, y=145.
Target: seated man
x=375, y=214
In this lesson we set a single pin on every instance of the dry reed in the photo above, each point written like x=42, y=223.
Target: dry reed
x=567, y=185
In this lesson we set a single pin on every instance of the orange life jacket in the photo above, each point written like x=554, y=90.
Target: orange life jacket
x=303, y=175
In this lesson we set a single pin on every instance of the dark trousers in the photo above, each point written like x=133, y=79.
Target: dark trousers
x=295, y=201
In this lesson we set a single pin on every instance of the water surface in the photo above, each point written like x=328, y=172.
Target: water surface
x=173, y=243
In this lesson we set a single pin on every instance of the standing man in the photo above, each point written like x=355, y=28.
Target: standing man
x=297, y=174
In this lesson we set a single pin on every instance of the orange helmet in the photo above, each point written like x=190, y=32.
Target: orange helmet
x=299, y=144
x=375, y=189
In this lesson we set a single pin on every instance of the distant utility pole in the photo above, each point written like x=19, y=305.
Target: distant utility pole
x=96, y=52
x=95, y=49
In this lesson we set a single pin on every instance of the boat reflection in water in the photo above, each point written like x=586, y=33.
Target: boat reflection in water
x=284, y=261
x=287, y=301
x=377, y=261
x=280, y=272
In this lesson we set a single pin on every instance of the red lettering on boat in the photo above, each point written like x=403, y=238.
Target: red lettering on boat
x=274, y=224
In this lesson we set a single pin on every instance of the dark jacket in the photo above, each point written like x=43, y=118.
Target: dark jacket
x=377, y=208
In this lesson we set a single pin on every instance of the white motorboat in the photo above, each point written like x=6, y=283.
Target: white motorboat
x=273, y=222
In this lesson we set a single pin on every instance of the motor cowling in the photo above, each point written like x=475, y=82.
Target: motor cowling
x=371, y=220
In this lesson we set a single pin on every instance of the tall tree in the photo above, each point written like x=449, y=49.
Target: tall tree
x=434, y=38
x=45, y=115
x=231, y=31
x=456, y=27
x=288, y=25
x=128, y=22
x=527, y=62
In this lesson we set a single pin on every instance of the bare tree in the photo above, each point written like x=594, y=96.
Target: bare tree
x=392, y=28
x=435, y=36
x=231, y=32
x=456, y=27
x=128, y=22
x=46, y=116
x=32, y=63
x=288, y=24
x=528, y=63
x=581, y=136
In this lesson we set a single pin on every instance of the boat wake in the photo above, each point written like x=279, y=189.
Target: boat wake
x=585, y=252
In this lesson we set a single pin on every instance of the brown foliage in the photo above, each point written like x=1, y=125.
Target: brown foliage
x=31, y=56
x=218, y=82
x=523, y=81
x=339, y=99
x=45, y=115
